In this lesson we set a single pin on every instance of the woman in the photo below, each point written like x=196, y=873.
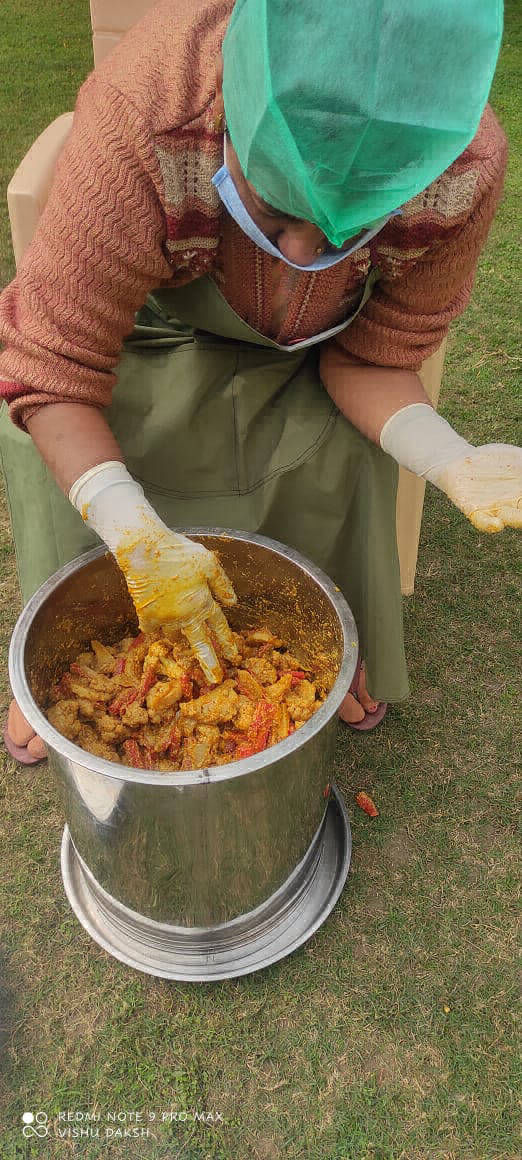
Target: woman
x=251, y=302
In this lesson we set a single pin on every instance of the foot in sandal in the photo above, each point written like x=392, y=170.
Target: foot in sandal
x=359, y=710
x=21, y=741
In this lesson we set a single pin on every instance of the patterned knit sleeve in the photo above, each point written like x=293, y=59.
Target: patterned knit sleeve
x=426, y=283
x=96, y=253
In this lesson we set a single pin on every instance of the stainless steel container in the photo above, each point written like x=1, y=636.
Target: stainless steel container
x=208, y=862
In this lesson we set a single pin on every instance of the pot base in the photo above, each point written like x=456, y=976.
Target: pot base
x=206, y=954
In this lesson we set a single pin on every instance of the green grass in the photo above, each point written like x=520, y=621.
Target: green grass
x=390, y=1035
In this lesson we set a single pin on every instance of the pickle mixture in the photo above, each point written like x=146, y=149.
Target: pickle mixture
x=144, y=702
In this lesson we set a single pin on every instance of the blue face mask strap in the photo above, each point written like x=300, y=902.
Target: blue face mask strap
x=224, y=183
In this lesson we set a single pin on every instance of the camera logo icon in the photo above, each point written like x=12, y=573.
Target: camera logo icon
x=35, y=1124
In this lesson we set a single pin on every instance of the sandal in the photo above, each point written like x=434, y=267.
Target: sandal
x=370, y=720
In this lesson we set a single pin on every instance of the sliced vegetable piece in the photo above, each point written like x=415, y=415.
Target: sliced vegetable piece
x=280, y=688
x=367, y=804
x=104, y=658
x=248, y=686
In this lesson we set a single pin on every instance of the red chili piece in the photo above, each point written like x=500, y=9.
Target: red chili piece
x=259, y=732
x=132, y=753
x=139, y=758
x=367, y=805
x=122, y=702
x=174, y=743
x=62, y=689
x=148, y=681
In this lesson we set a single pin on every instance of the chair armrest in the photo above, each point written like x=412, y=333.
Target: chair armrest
x=29, y=187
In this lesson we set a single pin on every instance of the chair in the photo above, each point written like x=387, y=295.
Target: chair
x=27, y=194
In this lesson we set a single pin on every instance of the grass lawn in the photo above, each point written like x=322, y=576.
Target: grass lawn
x=390, y=1035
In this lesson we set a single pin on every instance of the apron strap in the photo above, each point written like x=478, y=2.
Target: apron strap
x=199, y=307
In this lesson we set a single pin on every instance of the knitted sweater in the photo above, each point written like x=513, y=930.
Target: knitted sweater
x=132, y=207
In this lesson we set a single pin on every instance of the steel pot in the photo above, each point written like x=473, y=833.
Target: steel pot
x=199, y=851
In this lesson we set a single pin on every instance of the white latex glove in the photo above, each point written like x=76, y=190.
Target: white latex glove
x=486, y=485
x=483, y=482
x=172, y=580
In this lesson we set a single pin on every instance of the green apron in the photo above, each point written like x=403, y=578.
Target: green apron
x=224, y=427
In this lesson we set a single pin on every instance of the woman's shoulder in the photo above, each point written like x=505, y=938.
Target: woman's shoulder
x=450, y=204
x=488, y=148
x=449, y=200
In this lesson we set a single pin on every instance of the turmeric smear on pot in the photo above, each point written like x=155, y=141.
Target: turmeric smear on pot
x=144, y=702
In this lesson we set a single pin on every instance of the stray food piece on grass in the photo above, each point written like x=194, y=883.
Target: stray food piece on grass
x=367, y=805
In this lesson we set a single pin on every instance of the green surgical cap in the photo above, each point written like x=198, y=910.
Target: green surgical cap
x=342, y=110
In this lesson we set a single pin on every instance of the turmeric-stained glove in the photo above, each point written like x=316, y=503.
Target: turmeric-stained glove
x=483, y=482
x=173, y=581
x=486, y=485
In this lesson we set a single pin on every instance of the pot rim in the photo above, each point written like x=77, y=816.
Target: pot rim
x=232, y=769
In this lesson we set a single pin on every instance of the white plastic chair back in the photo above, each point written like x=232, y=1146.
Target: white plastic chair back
x=110, y=19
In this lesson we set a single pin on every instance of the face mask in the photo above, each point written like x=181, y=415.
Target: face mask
x=223, y=182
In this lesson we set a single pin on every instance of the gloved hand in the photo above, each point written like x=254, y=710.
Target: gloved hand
x=486, y=485
x=483, y=482
x=172, y=580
